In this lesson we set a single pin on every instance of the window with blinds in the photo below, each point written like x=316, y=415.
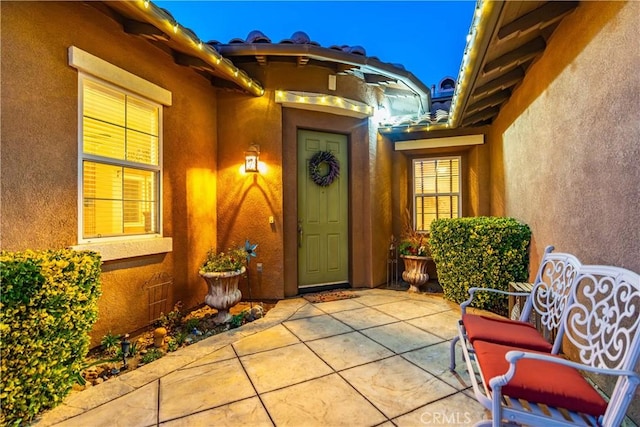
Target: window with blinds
x=120, y=134
x=436, y=190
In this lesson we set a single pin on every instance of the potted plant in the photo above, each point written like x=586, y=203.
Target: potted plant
x=414, y=250
x=222, y=271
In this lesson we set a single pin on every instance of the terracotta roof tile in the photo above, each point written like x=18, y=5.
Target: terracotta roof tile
x=256, y=36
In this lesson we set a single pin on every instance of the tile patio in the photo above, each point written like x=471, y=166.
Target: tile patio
x=378, y=359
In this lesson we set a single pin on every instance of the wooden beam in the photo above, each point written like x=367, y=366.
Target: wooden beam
x=144, y=29
x=541, y=17
x=503, y=81
x=516, y=57
x=481, y=116
x=376, y=79
x=490, y=101
x=191, y=61
x=262, y=59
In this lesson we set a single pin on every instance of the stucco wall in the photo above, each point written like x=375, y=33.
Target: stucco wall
x=565, y=148
x=246, y=202
x=40, y=148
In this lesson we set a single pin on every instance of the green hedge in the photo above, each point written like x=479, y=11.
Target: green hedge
x=486, y=252
x=48, y=305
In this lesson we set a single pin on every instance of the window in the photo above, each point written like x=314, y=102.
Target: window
x=120, y=162
x=436, y=190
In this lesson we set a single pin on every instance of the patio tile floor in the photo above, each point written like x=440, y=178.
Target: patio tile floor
x=380, y=359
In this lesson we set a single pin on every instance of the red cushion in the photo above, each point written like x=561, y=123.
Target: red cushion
x=504, y=331
x=540, y=381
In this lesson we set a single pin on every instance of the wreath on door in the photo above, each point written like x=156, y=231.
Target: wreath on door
x=332, y=163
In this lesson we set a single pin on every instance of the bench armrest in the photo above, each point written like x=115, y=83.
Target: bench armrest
x=472, y=291
x=515, y=355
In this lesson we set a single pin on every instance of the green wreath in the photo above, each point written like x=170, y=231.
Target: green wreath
x=314, y=168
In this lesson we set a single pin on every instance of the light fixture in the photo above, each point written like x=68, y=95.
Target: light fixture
x=125, y=346
x=251, y=158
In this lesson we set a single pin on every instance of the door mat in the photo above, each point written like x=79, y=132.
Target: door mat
x=329, y=296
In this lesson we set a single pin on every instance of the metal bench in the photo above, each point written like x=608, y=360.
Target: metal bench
x=548, y=298
x=601, y=320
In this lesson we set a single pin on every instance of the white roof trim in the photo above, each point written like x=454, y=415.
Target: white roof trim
x=452, y=141
x=90, y=64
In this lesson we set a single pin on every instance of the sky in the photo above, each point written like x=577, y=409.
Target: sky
x=426, y=37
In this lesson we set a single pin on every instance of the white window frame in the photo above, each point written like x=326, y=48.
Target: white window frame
x=94, y=68
x=413, y=186
x=157, y=169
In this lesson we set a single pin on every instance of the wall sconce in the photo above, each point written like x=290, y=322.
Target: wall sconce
x=251, y=158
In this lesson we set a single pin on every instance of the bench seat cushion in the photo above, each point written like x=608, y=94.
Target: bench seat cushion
x=540, y=381
x=504, y=331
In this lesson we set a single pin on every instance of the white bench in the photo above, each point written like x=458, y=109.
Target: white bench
x=600, y=317
x=548, y=298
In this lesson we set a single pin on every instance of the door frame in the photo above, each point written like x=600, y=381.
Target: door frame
x=357, y=132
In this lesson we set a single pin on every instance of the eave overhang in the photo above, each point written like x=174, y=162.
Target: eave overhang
x=505, y=38
x=370, y=69
x=144, y=19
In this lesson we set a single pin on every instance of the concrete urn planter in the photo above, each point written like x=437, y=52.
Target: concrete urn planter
x=223, y=292
x=415, y=271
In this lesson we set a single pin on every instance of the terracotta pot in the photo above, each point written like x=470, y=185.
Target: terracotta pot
x=415, y=271
x=223, y=292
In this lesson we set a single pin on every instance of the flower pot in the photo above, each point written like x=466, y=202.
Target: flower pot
x=223, y=292
x=415, y=271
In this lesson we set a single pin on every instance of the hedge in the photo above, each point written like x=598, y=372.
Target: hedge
x=486, y=252
x=48, y=305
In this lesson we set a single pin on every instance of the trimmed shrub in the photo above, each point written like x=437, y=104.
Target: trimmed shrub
x=48, y=305
x=487, y=252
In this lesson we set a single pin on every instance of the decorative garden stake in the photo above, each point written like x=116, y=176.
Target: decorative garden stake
x=250, y=249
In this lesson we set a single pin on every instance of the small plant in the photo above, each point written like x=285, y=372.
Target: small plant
x=133, y=349
x=413, y=242
x=172, y=345
x=172, y=319
x=151, y=355
x=180, y=337
x=236, y=320
x=231, y=260
x=110, y=343
x=192, y=324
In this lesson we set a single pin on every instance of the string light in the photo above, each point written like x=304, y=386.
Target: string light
x=146, y=4
x=175, y=27
x=470, y=53
x=323, y=100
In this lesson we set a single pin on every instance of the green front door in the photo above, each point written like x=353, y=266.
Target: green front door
x=323, y=214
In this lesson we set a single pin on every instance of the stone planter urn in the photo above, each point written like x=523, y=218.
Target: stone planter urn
x=223, y=292
x=415, y=271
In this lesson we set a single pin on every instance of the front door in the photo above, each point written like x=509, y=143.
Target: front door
x=323, y=214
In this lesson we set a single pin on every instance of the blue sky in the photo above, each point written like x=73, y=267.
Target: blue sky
x=426, y=37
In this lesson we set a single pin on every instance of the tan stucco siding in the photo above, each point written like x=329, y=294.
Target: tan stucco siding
x=565, y=147
x=246, y=201
x=40, y=149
